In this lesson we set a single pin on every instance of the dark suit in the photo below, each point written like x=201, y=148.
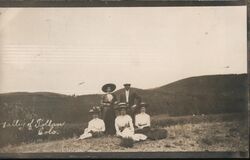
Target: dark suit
x=133, y=99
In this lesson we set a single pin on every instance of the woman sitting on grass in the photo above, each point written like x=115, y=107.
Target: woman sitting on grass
x=142, y=120
x=96, y=126
x=124, y=125
x=143, y=125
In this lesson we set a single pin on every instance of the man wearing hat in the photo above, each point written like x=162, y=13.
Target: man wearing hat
x=130, y=98
x=108, y=114
x=96, y=126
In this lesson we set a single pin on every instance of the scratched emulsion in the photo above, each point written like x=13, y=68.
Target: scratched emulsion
x=101, y=45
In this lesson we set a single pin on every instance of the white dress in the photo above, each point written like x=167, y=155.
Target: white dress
x=125, y=129
x=142, y=120
x=95, y=125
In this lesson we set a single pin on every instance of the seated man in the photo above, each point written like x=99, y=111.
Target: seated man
x=96, y=126
x=142, y=120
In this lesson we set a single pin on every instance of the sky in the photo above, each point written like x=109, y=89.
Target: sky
x=77, y=50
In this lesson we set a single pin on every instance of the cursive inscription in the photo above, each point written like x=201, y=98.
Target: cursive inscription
x=43, y=127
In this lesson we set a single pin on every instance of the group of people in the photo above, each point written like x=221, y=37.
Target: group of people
x=125, y=118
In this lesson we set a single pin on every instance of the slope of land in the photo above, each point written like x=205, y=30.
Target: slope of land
x=202, y=133
x=197, y=95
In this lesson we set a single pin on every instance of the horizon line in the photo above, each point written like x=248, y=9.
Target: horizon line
x=1, y=93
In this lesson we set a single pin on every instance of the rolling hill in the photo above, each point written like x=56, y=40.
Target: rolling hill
x=215, y=94
x=195, y=95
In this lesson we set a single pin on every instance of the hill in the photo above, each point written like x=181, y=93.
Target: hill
x=195, y=95
x=200, y=95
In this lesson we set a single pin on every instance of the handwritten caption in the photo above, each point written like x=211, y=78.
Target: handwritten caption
x=43, y=127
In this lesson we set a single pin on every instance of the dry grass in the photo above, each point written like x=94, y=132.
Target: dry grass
x=205, y=136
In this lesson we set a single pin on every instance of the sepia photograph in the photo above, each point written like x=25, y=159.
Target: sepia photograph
x=124, y=79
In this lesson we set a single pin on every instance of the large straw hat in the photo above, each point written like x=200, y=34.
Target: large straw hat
x=106, y=86
x=122, y=105
x=143, y=104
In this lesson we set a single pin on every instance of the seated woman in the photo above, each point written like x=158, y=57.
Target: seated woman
x=143, y=125
x=142, y=120
x=124, y=125
x=96, y=126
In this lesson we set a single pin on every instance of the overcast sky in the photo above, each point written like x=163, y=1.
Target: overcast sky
x=55, y=49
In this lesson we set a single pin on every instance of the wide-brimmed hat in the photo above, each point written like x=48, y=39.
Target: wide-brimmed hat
x=95, y=109
x=111, y=85
x=126, y=84
x=143, y=104
x=121, y=105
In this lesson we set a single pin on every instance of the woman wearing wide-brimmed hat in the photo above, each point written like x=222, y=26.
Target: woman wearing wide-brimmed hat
x=143, y=125
x=124, y=125
x=142, y=120
x=96, y=126
x=108, y=114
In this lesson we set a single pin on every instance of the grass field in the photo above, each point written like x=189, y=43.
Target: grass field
x=203, y=133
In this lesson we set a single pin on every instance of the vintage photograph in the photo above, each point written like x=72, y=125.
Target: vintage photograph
x=124, y=79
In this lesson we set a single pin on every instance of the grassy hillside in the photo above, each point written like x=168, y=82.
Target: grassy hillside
x=196, y=95
x=199, y=133
x=200, y=95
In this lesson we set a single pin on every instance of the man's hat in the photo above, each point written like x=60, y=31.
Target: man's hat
x=95, y=109
x=106, y=86
x=126, y=84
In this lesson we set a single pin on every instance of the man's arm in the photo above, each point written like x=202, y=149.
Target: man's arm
x=137, y=98
x=114, y=100
x=120, y=98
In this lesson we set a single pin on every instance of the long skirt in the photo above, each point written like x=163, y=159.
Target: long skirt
x=145, y=130
x=89, y=134
x=109, y=119
x=128, y=133
x=153, y=133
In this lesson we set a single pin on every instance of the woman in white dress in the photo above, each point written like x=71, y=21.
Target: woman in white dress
x=124, y=125
x=96, y=126
x=143, y=125
x=142, y=120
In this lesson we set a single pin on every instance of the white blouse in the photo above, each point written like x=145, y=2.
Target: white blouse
x=109, y=97
x=123, y=121
x=96, y=125
x=142, y=120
